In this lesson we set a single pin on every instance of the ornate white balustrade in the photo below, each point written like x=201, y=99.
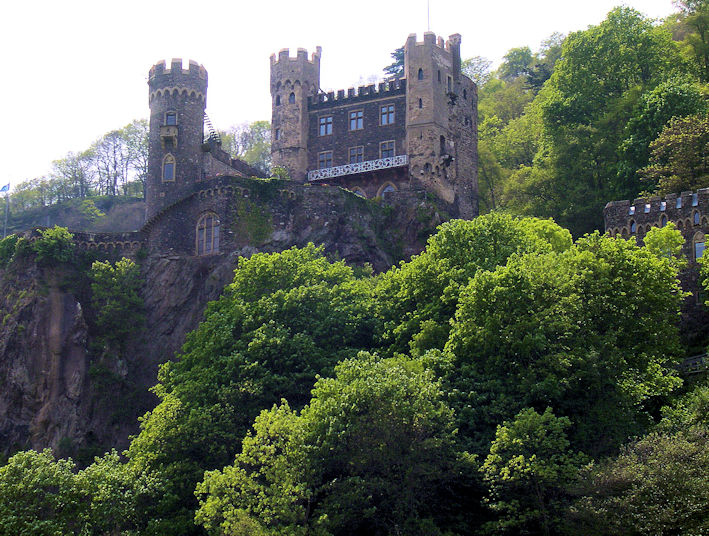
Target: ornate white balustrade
x=359, y=167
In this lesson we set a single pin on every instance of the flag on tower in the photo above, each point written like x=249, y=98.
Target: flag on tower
x=5, y=188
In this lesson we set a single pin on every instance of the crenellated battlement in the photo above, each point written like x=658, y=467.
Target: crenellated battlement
x=301, y=56
x=356, y=95
x=451, y=45
x=195, y=70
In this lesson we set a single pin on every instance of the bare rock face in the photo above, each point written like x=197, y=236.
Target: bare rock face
x=43, y=366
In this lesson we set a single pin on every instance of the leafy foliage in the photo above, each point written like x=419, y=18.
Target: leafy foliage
x=55, y=245
x=366, y=456
x=529, y=465
x=116, y=298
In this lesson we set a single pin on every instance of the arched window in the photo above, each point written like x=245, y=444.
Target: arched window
x=168, y=168
x=696, y=217
x=663, y=221
x=359, y=192
x=420, y=75
x=420, y=103
x=278, y=100
x=386, y=189
x=207, y=236
x=633, y=227
x=698, y=241
x=291, y=98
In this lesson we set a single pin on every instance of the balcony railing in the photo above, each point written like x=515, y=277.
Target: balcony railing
x=359, y=167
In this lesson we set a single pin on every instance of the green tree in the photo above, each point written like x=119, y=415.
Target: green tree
x=285, y=318
x=422, y=295
x=590, y=332
x=396, y=68
x=696, y=17
x=679, y=156
x=250, y=142
x=677, y=97
x=657, y=486
x=515, y=63
x=370, y=454
x=529, y=466
x=115, y=295
x=55, y=245
x=477, y=69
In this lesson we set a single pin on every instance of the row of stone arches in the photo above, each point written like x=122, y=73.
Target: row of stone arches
x=633, y=228
x=108, y=246
x=175, y=92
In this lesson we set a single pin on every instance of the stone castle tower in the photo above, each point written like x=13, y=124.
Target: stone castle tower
x=293, y=82
x=413, y=134
x=177, y=104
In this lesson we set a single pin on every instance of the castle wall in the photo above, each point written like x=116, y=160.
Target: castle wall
x=370, y=103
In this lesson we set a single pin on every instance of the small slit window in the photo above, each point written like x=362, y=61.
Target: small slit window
x=465, y=94
x=420, y=74
x=278, y=100
x=633, y=227
x=663, y=221
x=695, y=200
x=695, y=217
x=277, y=134
x=420, y=103
x=207, y=240
x=168, y=168
x=679, y=203
x=291, y=98
x=439, y=76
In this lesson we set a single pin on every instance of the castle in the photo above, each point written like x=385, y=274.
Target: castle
x=419, y=132
x=414, y=136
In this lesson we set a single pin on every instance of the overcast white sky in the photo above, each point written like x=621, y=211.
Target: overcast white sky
x=73, y=70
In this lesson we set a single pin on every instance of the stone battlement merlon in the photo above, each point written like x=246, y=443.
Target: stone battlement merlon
x=195, y=70
x=702, y=193
x=392, y=88
x=301, y=56
x=451, y=45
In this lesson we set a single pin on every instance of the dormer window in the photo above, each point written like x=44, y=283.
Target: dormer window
x=170, y=118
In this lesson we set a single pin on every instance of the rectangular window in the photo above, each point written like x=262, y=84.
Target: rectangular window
x=356, y=154
x=695, y=200
x=386, y=116
x=170, y=118
x=631, y=211
x=663, y=206
x=386, y=149
x=450, y=85
x=325, y=159
x=168, y=171
x=357, y=120
x=679, y=202
x=647, y=208
x=326, y=125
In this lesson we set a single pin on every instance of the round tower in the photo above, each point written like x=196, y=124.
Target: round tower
x=177, y=103
x=293, y=80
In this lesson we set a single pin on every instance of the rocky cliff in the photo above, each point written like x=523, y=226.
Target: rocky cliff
x=61, y=389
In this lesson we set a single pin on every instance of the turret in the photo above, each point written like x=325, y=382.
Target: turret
x=293, y=80
x=441, y=120
x=177, y=103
